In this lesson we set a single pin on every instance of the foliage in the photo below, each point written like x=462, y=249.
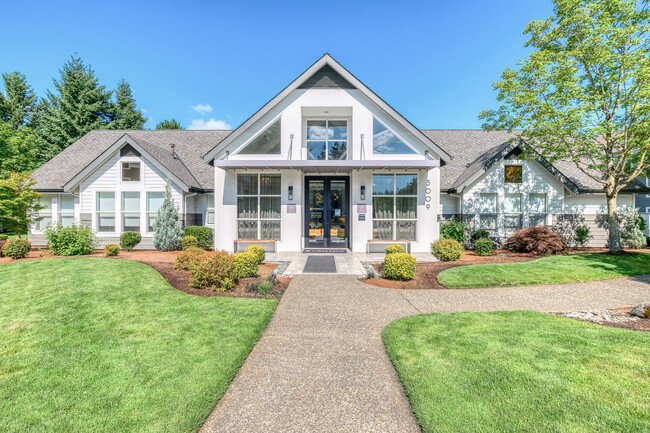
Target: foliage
x=259, y=251
x=125, y=114
x=4, y=237
x=111, y=250
x=263, y=286
x=453, y=229
x=631, y=235
x=483, y=247
x=186, y=258
x=169, y=124
x=642, y=224
x=399, y=266
x=539, y=240
x=70, y=241
x=246, y=264
x=189, y=241
x=16, y=248
x=582, y=236
x=203, y=235
x=394, y=248
x=213, y=269
x=128, y=240
x=19, y=204
x=167, y=231
x=2, y=244
x=18, y=103
x=583, y=93
x=447, y=250
x=479, y=234
x=20, y=149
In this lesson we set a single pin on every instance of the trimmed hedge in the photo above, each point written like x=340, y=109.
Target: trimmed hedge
x=16, y=248
x=111, y=250
x=70, y=241
x=394, y=248
x=246, y=264
x=399, y=266
x=215, y=270
x=189, y=241
x=202, y=234
x=128, y=240
x=259, y=251
x=185, y=259
x=447, y=250
x=483, y=247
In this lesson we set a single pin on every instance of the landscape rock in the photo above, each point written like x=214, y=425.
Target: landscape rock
x=641, y=310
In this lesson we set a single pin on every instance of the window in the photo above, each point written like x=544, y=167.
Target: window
x=488, y=211
x=327, y=139
x=130, y=172
x=513, y=173
x=131, y=211
x=385, y=142
x=66, y=209
x=105, y=211
x=268, y=142
x=154, y=200
x=209, y=213
x=512, y=212
x=259, y=205
x=537, y=209
x=394, y=206
x=45, y=214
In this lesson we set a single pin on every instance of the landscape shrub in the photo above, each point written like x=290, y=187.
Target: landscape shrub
x=246, y=264
x=128, y=240
x=189, y=241
x=479, y=234
x=447, y=250
x=582, y=236
x=631, y=234
x=74, y=240
x=3, y=237
x=483, y=247
x=111, y=250
x=16, y=248
x=202, y=234
x=453, y=229
x=394, y=248
x=263, y=286
x=2, y=244
x=215, y=270
x=539, y=240
x=399, y=266
x=184, y=260
x=259, y=251
x=167, y=231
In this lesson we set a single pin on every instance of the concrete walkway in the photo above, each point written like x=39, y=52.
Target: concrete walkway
x=321, y=366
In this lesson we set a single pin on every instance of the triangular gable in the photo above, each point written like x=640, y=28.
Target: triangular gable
x=327, y=72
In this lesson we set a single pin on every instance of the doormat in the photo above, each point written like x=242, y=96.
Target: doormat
x=320, y=265
x=325, y=251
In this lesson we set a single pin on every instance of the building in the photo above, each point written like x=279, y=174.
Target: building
x=325, y=164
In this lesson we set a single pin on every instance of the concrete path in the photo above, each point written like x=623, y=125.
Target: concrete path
x=321, y=366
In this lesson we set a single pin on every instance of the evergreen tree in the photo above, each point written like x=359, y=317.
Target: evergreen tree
x=632, y=235
x=169, y=124
x=167, y=231
x=20, y=150
x=79, y=105
x=18, y=100
x=125, y=113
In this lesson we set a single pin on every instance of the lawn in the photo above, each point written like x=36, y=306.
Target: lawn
x=521, y=371
x=107, y=345
x=554, y=269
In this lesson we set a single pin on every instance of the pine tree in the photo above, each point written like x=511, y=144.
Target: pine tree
x=79, y=105
x=18, y=101
x=169, y=124
x=125, y=113
x=167, y=231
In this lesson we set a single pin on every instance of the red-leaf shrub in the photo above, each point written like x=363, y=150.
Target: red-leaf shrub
x=539, y=240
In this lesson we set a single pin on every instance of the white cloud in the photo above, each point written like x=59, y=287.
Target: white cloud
x=209, y=124
x=202, y=108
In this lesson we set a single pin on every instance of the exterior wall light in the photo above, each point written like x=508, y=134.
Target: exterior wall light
x=290, y=192
x=363, y=192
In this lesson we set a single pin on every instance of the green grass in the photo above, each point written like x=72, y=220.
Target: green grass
x=521, y=372
x=107, y=345
x=554, y=269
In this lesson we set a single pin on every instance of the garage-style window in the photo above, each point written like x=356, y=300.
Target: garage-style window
x=130, y=172
x=394, y=206
x=105, y=207
x=259, y=205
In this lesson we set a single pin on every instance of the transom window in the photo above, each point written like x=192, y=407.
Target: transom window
x=259, y=205
x=394, y=206
x=512, y=212
x=131, y=211
x=105, y=211
x=130, y=172
x=488, y=211
x=66, y=209
x=386, y=142
x=154, y=201
x=327, y=139
x=537, y=209
x=268, y=142
x=513, y=173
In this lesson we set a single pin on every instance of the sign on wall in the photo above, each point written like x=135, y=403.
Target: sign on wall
x=291, y=208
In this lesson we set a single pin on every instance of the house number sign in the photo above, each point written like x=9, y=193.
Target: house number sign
x=427, y=195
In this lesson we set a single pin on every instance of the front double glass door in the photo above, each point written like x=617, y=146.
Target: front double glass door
x=327, y=212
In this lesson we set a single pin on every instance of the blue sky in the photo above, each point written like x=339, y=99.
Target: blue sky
x=434, y=61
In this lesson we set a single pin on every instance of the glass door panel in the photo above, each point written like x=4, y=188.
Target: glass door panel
x=327, y=213
x=316, y=220
x=337, y=213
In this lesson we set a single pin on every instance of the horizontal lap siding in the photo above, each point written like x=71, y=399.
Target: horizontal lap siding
x=566, y=224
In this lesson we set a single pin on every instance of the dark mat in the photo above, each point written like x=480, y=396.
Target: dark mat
x=325, y=251
x=320, y=265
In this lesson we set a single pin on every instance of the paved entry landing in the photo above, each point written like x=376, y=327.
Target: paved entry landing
x=320, y=265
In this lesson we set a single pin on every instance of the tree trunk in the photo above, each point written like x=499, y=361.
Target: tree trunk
x=613, y=224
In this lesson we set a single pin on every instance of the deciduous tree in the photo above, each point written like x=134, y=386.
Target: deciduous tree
x=19, y=203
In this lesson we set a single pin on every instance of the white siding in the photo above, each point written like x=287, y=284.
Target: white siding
x=595, y=203
x=449, y=204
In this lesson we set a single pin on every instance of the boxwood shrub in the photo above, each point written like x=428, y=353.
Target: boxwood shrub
x=128, y=240
x=70, y=241
x=189, y=241
x=185, y=259
x=479, y=234
x=394, y=248
x=259, y=251
x=399, y=266
x=111, y=250
x=214, y=270
x=246, y=264
x=483, y=247
x=447, y=250
x=202, y=234
x=16, y=248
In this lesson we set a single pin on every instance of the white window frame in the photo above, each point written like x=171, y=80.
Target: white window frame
x=259, y=196
x=60, y=213
x=114, y=212
x=327, y=140
x=123, y=213
x=394, y=196
x=149, y=212
x=494, y=214
x=209, y=211
x=128, y=161
x=520, y=213
x=544, y=214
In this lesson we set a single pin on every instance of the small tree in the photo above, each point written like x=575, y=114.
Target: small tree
x=631, y=234
x=19, y=203
x=167, y=230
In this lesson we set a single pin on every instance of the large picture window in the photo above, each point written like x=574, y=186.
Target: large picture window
x=131, y=211
x=537, y=209
x=259, y=205
x=66, y=209
x=488, y=212
x=327, y=139
x=105, y=207
x=394, y=206
x=154, y=201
